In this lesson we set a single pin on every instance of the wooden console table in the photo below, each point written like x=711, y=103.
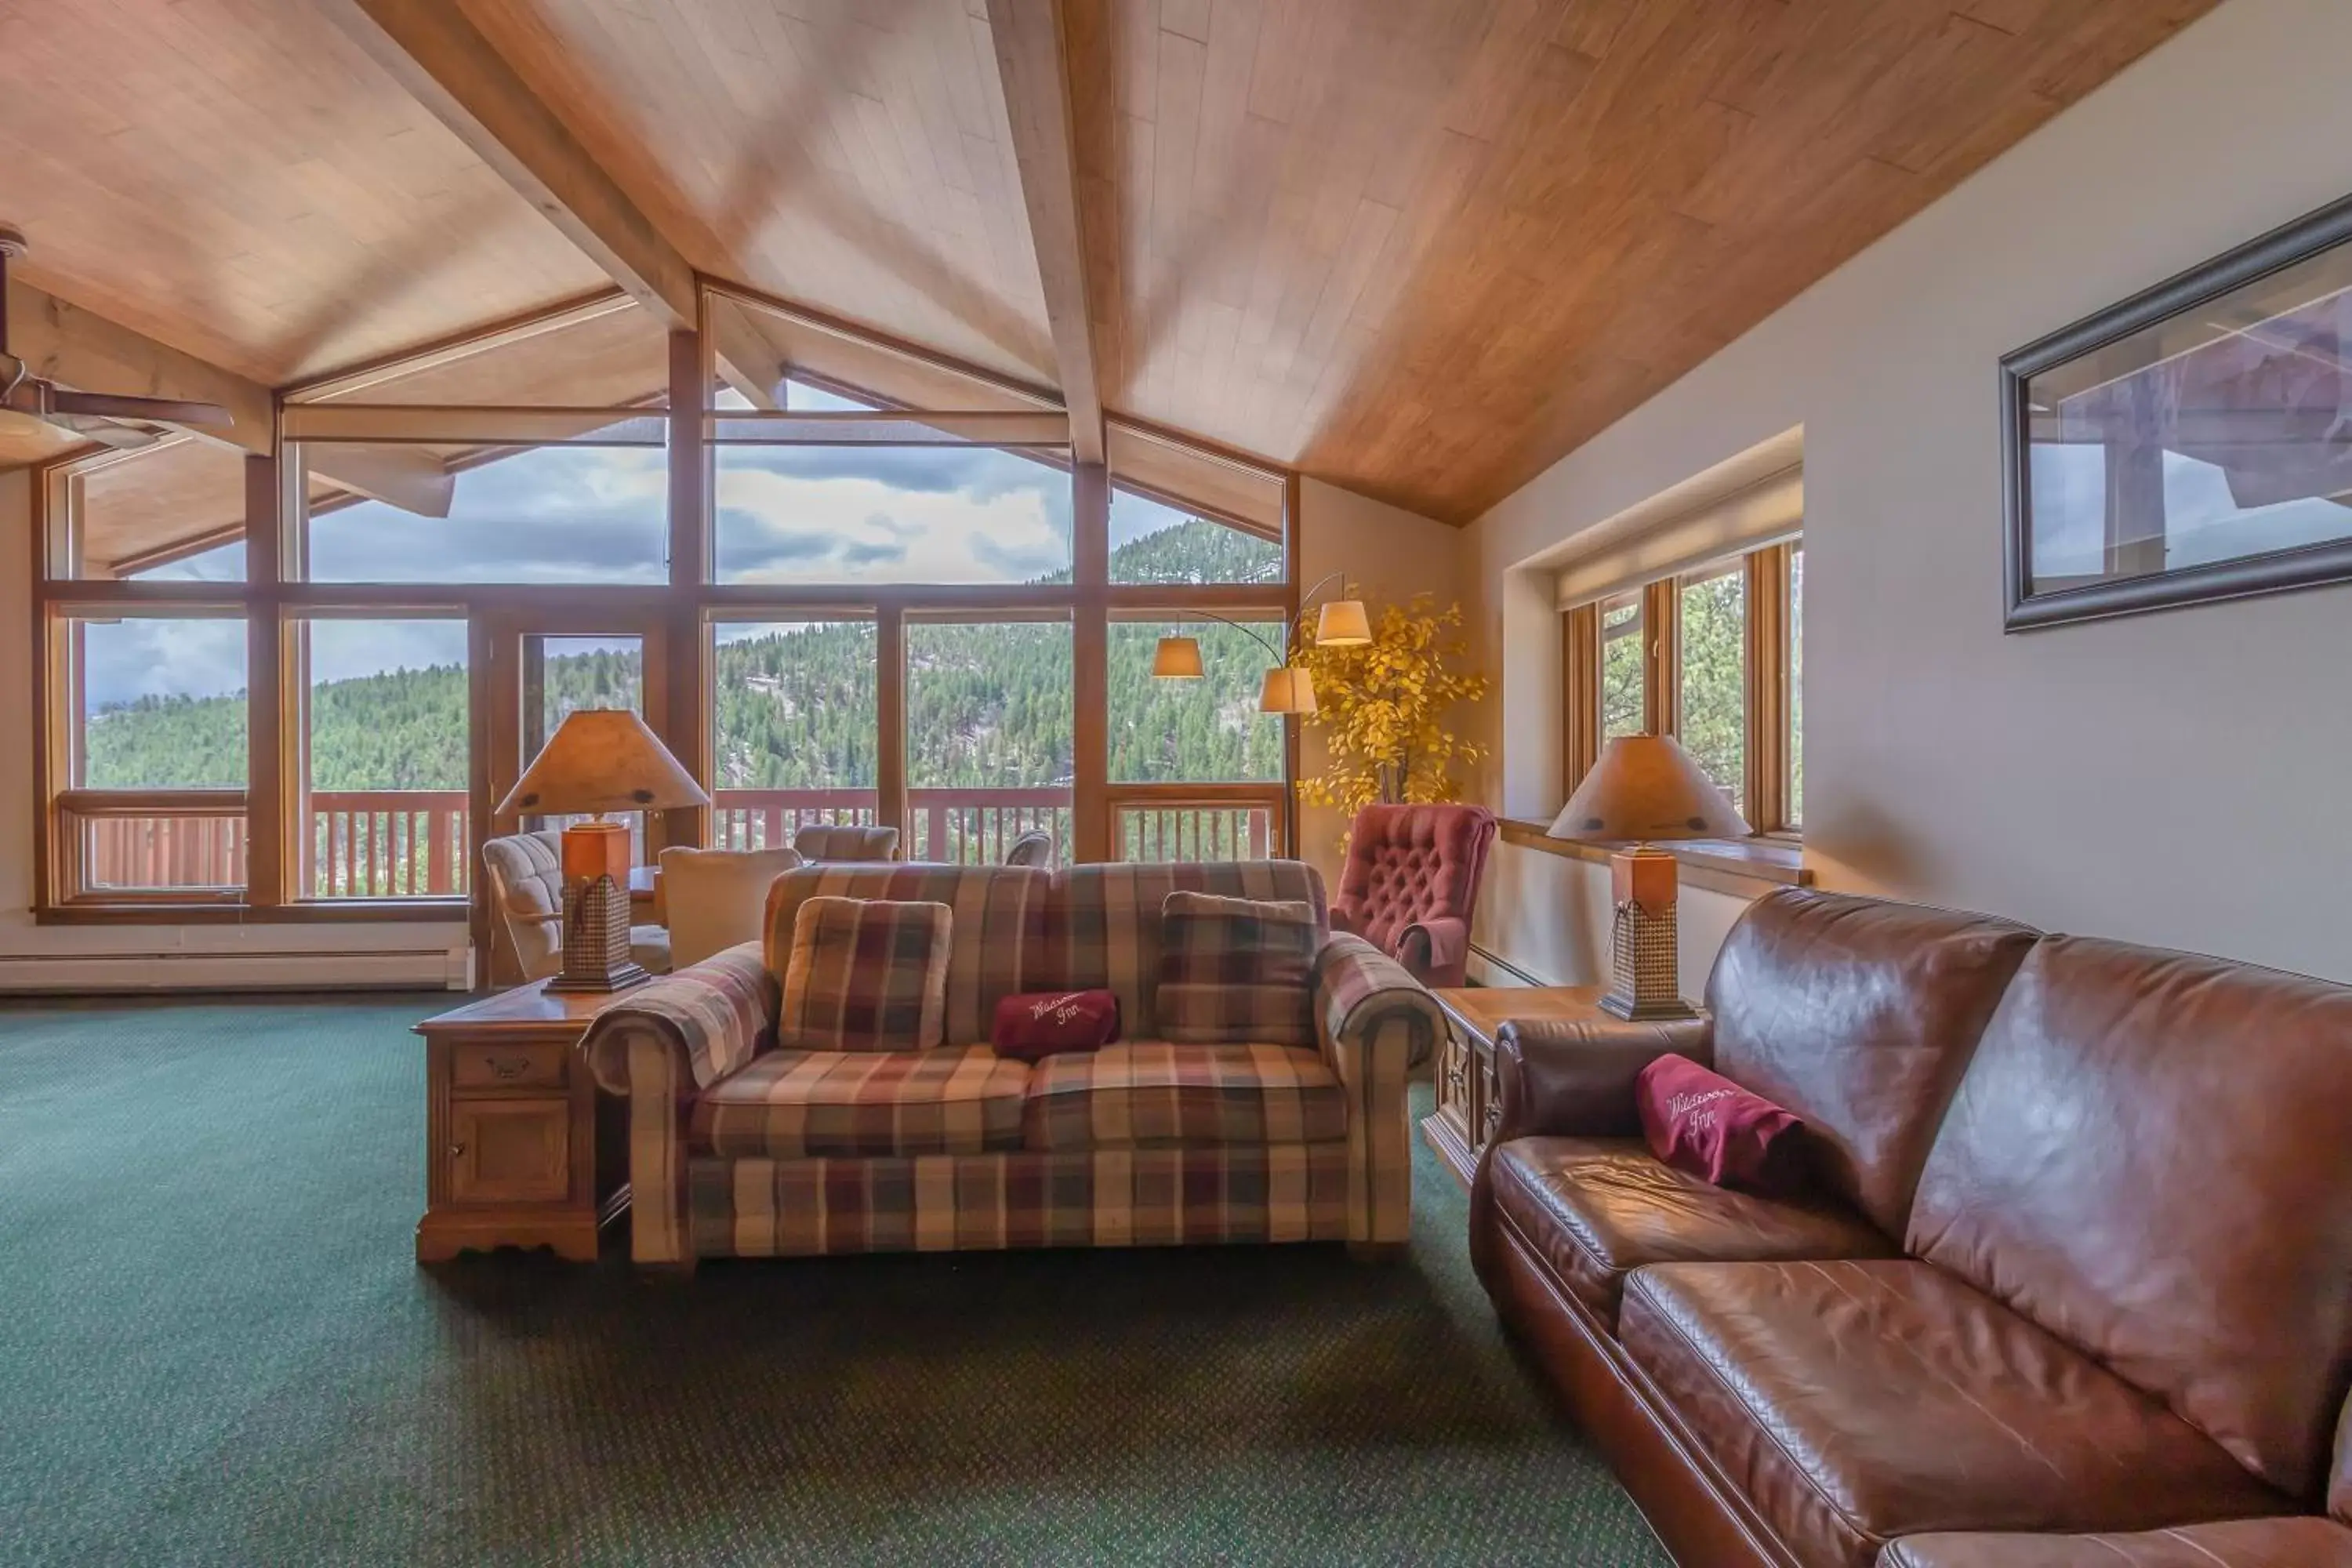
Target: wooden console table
x=511, y=1129
x=1469, y=1102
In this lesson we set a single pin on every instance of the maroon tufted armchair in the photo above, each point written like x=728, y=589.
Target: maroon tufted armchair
x=1411, y=879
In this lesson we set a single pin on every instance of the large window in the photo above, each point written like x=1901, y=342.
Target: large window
x=1622, y=662
x=890, y=515
x=1153, y=542
x=1711, y=643
x=796, y=729
x=877, y=590
x=989, y=736
x=386, y=747
x=1203, y=731
x=157, y=755
x=1712, y=657
x=550, y=514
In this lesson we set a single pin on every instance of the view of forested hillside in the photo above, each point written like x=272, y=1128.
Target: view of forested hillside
x=988, y=705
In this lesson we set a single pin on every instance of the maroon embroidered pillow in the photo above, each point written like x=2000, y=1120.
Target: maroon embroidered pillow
x=1036, y=1024
x=1702, y=1122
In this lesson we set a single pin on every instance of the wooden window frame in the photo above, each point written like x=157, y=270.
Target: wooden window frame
x=276, y=597
x=1770, y=744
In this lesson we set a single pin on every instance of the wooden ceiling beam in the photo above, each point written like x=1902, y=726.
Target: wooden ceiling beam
x=74, y=347
x=434, y=51
x=1032, y=63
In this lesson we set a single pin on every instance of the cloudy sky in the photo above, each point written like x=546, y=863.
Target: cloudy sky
x=593, y=514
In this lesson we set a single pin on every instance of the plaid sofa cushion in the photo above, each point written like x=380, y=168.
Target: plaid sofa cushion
x=1153, y=1094
x=1108, y=1197
x=1236, y=970
x=1102, y=925
x=865, y=974
x=792, y=1105
x=992, y=941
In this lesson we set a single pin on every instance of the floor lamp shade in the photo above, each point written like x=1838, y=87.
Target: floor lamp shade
x=1177, y=658
x=1644, y=788
x=1343, y=622
x=599, y=759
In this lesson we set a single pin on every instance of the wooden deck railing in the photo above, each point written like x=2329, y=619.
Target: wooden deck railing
x=389, y=844
x=394, y=844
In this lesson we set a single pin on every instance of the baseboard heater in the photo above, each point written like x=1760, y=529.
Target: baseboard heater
x=81, y=974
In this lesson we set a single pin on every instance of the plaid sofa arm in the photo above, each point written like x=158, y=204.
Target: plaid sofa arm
x=660, y=1047
x=1376, y=1022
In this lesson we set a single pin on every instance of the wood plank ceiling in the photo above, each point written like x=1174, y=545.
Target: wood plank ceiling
x=849, y=155
x=1423, y=248
x=1419, y=247
x=236, y=179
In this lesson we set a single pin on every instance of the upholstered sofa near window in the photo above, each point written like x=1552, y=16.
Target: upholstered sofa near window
x=738, y=1147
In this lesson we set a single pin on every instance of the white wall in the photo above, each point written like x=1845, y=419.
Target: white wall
x=71, y=958
x=1389, y=555
x=2176, y=778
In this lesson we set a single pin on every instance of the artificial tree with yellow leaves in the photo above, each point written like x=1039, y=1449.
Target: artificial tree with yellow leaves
x=1383, y=707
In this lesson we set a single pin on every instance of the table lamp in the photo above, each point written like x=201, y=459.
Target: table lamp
x=599, y=759
x=1646, y=788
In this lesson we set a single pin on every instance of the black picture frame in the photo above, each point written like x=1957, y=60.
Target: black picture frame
x=2273, y=572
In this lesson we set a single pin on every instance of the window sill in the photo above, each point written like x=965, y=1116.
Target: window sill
x=1747, y=866
x=193, y=913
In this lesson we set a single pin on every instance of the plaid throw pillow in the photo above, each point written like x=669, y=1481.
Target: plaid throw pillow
x=1236, y=970
x=865, y=974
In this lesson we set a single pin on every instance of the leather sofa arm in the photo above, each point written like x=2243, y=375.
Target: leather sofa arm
x=1574, y=1077
x=703, y=1022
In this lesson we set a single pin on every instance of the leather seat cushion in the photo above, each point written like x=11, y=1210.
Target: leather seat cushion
x=1595, y=1209
x=2235, y=1543
x=1853, y=1402
x=794, y=1105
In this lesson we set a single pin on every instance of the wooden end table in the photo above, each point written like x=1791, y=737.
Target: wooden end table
x=511, y=1128
x=1469, y=1102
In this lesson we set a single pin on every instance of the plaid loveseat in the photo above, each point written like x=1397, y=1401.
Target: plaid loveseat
x=738, y=1147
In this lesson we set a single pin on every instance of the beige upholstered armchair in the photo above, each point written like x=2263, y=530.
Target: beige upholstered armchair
x=716, y=898
x=835, y=841
x=1034, y=848
x=525, y=874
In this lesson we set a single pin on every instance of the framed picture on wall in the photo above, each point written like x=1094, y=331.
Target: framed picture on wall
x=2192, y=443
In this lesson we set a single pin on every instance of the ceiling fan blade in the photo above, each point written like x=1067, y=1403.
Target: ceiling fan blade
x=161, y=410
x=105, y=432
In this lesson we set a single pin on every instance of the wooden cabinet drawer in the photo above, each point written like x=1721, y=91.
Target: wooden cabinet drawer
x=509, y=1150
x=526, y=1064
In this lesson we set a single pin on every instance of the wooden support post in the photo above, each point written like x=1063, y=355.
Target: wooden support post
x=1090, y=826
x=890, y=705
x=1580, y=695
x=1767, y=689
x=683, y=717
x=1662, y=663
x=267, y=836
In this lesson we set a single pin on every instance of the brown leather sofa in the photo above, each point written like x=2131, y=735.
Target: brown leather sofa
x=2071, y=1281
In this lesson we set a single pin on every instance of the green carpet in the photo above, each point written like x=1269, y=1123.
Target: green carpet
x=214, y=1348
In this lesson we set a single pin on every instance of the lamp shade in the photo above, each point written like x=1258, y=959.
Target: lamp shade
x=602, y=759
x=1343, y=622
x=1647, y=787
x=1287, y=690
x=1177, y=658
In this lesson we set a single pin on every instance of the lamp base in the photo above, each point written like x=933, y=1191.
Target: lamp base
x=620, y=979
x=1645, y=1012
x=1645, y=955
x=596, y=954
